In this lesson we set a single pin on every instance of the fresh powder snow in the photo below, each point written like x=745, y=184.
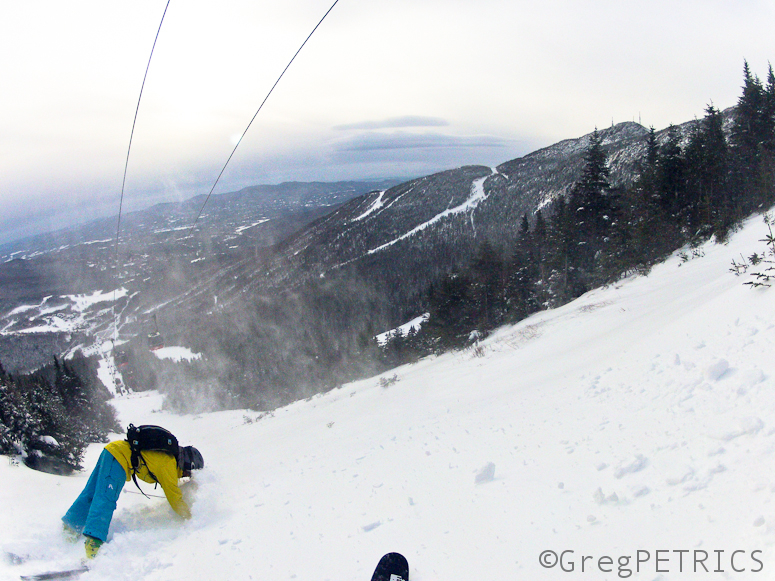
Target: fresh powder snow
x=640, y=417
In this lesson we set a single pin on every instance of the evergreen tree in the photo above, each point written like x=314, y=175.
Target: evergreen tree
x=451, y=318
x=487, y=287
x=647, y=230
x=623, y=252
x=749, y=126
x=560, y=282
x=49, y=417
x=671, y=174
x=768, y=112
x=752, y=128
x=692, y=194
x=767, y=166
x=644, y=205
x=592, y=211
x=12, y=418
x=707, y=204
x=524, y=270
x=539, y=234
x=722, y=212
x=394, y=349
x=541, y=247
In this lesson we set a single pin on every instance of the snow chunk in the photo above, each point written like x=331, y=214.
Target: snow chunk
x=50, y=440
x=716, y=370
x=370, y=527
x=641, y=491
x=601, y=498
x=745, y=426
x=751, y=377
x=636, y=464
x=486, y=474
x=680, y=475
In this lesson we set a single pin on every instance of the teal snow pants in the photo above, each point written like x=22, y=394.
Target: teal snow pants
x=92, y=511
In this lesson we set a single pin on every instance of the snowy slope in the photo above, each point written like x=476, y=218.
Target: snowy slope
x=639, y=417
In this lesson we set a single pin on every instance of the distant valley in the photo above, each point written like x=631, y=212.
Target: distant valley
x=279, y=290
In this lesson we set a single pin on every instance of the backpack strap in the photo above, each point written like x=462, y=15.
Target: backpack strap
x=135, y=459
x=134, y=475
x=134, y=479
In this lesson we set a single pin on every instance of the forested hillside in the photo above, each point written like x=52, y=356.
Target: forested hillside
x=50, y=416
x=688, y=185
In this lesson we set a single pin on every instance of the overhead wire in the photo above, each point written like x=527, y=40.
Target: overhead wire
x=126, y=166
x=223, y=169
x=199, y=215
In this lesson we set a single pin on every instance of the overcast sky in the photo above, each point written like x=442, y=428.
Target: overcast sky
x=385, y=88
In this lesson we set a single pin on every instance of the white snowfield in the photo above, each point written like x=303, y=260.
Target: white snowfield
x=64, y=317
x=639, y=418
x=83, y=302
x=177, y=354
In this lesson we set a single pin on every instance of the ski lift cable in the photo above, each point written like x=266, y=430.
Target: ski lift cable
x=126, y=164
x=134, y=122
x=256, y=115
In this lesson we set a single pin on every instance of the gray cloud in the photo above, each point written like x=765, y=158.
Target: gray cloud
x=396, y=122
x=382, y=141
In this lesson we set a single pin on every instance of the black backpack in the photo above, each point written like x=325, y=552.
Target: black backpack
x=149, y=438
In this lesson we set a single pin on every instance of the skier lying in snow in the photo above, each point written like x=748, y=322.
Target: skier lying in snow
x=149, y=453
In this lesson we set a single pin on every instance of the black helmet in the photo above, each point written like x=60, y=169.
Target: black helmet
x=191, y=459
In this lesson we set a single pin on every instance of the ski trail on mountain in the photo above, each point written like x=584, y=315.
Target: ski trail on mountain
x=477, y=196
x=375, y=205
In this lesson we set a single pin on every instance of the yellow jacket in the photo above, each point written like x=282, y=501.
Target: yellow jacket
x=163, y=466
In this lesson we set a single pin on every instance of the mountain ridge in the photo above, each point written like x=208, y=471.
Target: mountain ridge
x=397, y=240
